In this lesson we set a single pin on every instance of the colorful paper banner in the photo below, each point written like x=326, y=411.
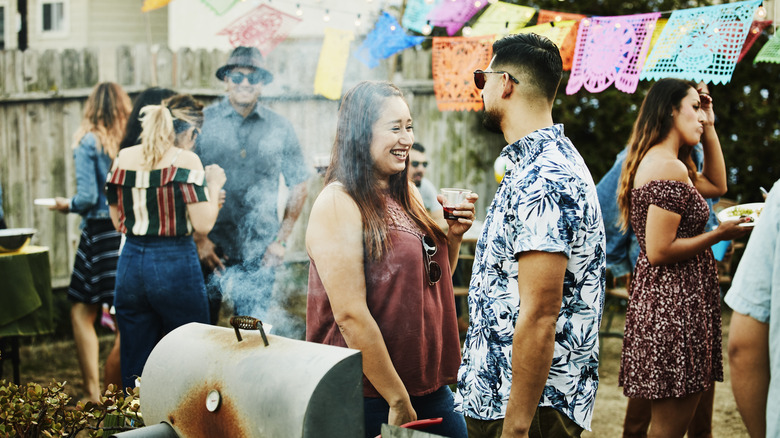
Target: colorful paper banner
x=333, y=62
x=387, y=38
x=502, y=19
x=701, y=44
x=219, y=6
x=453, y=14
x=611, y=50
x=263, y=27
x=416, y=13
x=756, y=28
x=570, y=43
x=150, y=5
x=453, y=62
x=770, y=52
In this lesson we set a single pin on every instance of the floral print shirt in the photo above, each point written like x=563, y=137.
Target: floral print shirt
x=546, y=202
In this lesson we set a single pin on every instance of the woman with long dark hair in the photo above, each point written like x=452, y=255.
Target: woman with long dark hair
x=672, y=344
x=96, y=143
x=158, y=194
x=380, y=274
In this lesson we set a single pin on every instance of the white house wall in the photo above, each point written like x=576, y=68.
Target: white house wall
x=192, y=24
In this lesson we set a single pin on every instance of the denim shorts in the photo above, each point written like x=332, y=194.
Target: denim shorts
x=159, y=287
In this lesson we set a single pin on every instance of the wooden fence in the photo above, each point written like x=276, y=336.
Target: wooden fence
x=42, y=97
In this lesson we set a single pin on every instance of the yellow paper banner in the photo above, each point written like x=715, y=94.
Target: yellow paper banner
x=333, y=62
x=556, y=33
x=150, y=5
x=502, y=19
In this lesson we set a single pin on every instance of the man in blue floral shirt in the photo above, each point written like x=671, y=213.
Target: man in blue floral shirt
x=530, y=360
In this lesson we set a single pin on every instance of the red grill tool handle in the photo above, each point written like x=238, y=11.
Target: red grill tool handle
x=420, y=424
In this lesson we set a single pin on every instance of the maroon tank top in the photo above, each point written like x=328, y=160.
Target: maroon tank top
x=417, y=321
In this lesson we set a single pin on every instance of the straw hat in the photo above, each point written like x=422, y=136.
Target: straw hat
x=243, y=56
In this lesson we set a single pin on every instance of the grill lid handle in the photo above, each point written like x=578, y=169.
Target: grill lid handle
x=247, y=323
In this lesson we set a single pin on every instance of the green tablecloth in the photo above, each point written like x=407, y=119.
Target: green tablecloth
x=26, y=303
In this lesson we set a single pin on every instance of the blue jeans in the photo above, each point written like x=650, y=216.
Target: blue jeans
x=159, y=287
x=438, y=404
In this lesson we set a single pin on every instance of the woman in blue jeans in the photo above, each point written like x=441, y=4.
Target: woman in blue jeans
x=96, y=143
x=158, y=194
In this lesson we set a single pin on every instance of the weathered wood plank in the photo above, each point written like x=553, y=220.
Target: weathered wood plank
x=13, y=74
x=164, y=62
x=125, y=67
x=50, y=70
x=72, y=71
x=187, y=73
x=91, y=67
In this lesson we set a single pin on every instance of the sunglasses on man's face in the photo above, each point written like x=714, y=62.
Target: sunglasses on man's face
x=431, y=267
x=237, y=77
x=418, y=163
x=479, y=77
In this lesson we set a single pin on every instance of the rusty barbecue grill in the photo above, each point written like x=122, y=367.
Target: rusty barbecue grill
x=208, y=381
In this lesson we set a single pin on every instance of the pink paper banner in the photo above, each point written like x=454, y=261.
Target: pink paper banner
x=453, y=14
x=611, y=50
x=755, y=30
x=263, y=27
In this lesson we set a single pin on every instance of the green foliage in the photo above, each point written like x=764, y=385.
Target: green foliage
x=34, y=410
x=747, y=115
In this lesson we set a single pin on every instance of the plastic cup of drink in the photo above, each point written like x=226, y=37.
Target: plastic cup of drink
x=453, y=197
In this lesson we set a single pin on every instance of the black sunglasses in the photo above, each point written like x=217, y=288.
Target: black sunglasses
x=237, y=77
x=431, y=267
x=417, y=163
x=479, y=77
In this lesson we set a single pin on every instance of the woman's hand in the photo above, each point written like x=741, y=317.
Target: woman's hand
x=61, y=204
x=706, y=108
x=465, y=212
x=215, y=176
x=730, y=230
x=401, y=413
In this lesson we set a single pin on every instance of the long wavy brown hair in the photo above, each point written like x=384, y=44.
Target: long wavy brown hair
x=105, y=115
x=651, y=127
x=351, y=164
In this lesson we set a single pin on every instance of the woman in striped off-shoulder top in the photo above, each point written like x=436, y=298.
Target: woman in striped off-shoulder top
x=158, y=194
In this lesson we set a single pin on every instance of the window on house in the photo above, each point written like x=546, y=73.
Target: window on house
x=53, y=16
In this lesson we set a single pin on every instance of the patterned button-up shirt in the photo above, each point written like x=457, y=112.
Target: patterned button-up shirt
x=546, y=202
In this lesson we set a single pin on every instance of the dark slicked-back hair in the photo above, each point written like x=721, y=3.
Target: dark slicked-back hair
x=533, y=57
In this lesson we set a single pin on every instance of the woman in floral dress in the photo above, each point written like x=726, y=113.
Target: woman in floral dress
x=672, y=345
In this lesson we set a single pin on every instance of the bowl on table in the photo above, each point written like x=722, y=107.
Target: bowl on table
x=14, y=239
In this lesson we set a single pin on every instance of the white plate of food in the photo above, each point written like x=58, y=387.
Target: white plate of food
x=45, y=202
x=752, y=211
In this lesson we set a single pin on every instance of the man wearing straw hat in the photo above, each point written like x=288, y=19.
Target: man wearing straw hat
x=255, y=146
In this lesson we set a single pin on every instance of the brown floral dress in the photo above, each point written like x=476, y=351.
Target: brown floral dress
x=672, y=343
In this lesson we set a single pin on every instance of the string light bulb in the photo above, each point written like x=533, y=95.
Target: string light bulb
x=430, y=2
x=392, y=28
x=761, y=12
x=477, y=3
x=466, y=30
x=298, y=11
x=427, y=28
x=357, y=21
x=326, y=17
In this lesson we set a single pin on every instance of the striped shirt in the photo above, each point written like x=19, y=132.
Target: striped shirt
x=154, y=202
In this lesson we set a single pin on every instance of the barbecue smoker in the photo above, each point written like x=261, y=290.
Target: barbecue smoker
x=207, y=381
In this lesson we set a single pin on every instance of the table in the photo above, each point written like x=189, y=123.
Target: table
x=26, y=303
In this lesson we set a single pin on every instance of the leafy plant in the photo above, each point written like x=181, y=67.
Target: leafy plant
x=34, y=410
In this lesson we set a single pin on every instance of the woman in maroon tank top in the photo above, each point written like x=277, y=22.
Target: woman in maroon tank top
x=380, y=275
